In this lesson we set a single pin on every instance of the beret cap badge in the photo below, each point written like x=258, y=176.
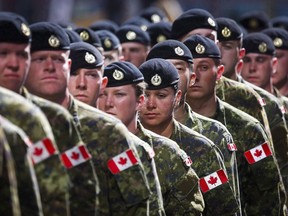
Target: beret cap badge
x=156, y=80
x=25, y=29
x=89, y=58
x=84, y=35
x=211, y=22
x=226, y=32
x=161, y=38
x=262, y=47
x=118, y=75
x=179, y=51
x=131, y=35
x=107, y=43
x=278, y=42
x=155, y=18
x=53, y=41
x=200, y=49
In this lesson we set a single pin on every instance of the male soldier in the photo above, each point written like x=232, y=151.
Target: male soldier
x=60, y=120
x=157, y=115
x=194, y=21
x=135, y=44
x=111, y=45
x=90, y=77
x=14, y=62
x=159, y=32
x=259, y=194
x=105, y=137
x=254, y=21
x=122, y=98
x=180, y=56
x=258, y=65
x=104, y=25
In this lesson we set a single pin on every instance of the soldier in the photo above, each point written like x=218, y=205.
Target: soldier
x=52, y=178
x=106, y=138
x=61, y=122
x=259, y=194
x=111, y=45
x=254, y=21
x=122, y=98
x=108, y=25
x=135, y=44
x=180, y=56
x=159, y=32
x=157, y=115
x=91, y=75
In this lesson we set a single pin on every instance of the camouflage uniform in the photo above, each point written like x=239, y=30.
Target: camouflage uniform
x=283, y=103
x=8, y=189
x=105, y=138
x=259, y=192
x=83, y=180
x=179, y=183
x=28, y=190
x=206, y=159
x=51, y=175
x=222, y=138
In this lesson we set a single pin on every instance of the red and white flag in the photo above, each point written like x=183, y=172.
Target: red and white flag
x=213, y=180
x=122, y=161
x=262, y=102
x=41, y=150
x=232, y=146
x=75, y=156
x=258, y=153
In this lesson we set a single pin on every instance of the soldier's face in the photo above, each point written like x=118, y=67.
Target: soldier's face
x=207, y=73
x=279, y=78
x=112, y=56
x=86, y=84
x=14, y=64
x=258, y=69
x=134, y=53
x=49, y=73
x=159, y=106
x=121, y=102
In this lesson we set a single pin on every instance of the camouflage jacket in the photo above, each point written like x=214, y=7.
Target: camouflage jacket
x=10, y=204
x=179, y=182
x=27, y=185
x=221, y=137
x=259, y=179
x=83, y=187
x=51, y=175
x=121, y=193
x=207, y=159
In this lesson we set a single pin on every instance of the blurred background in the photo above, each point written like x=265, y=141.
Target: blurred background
x=85, y=12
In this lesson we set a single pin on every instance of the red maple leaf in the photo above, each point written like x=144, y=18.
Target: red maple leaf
x=75, y=156
x=212, y=180
x=258, y=153
x=122, y=161
x=38, y=151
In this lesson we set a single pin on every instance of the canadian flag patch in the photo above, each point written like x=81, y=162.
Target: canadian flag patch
x=262, y=102
x=232, y=146
x=213, y=180
x=41, y=150
x=75, y=156
x=185, y=158
x=258, y=153
x=122, y=161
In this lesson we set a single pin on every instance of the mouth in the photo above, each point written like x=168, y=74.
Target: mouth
x=80, y=96
x=49, y=78
x=12, y=75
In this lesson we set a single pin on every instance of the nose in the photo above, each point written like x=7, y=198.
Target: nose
x=81, y=82
x=13, y=62
x=150, y=103
x=49, y=65
x=252, y=66
x=109, y=101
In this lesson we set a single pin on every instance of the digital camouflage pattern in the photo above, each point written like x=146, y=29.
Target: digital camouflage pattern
x=244, y=98
x=283, y=100
x=83, y=187
x=221, y=137
x=179, y=182
x=27, y=185
x=278, y=129
x=105, y=138
x=8, y=188
x=51, y=175
x=259, y=182
x=206, y=159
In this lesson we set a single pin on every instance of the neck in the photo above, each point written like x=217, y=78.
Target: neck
x=205, y=107
x=282, y=87
x=164, y=129
x=231, y=75
x=63, y=99
x=132, y=126
x=269, y=87
x=180, y=113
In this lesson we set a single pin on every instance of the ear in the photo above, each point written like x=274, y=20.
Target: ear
x=140, y=102
x=242, y=53
x=192, y=79
x=274, y=64
x=220, y=71
x=104, y=83
x=239, y=66
x=177, y=98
